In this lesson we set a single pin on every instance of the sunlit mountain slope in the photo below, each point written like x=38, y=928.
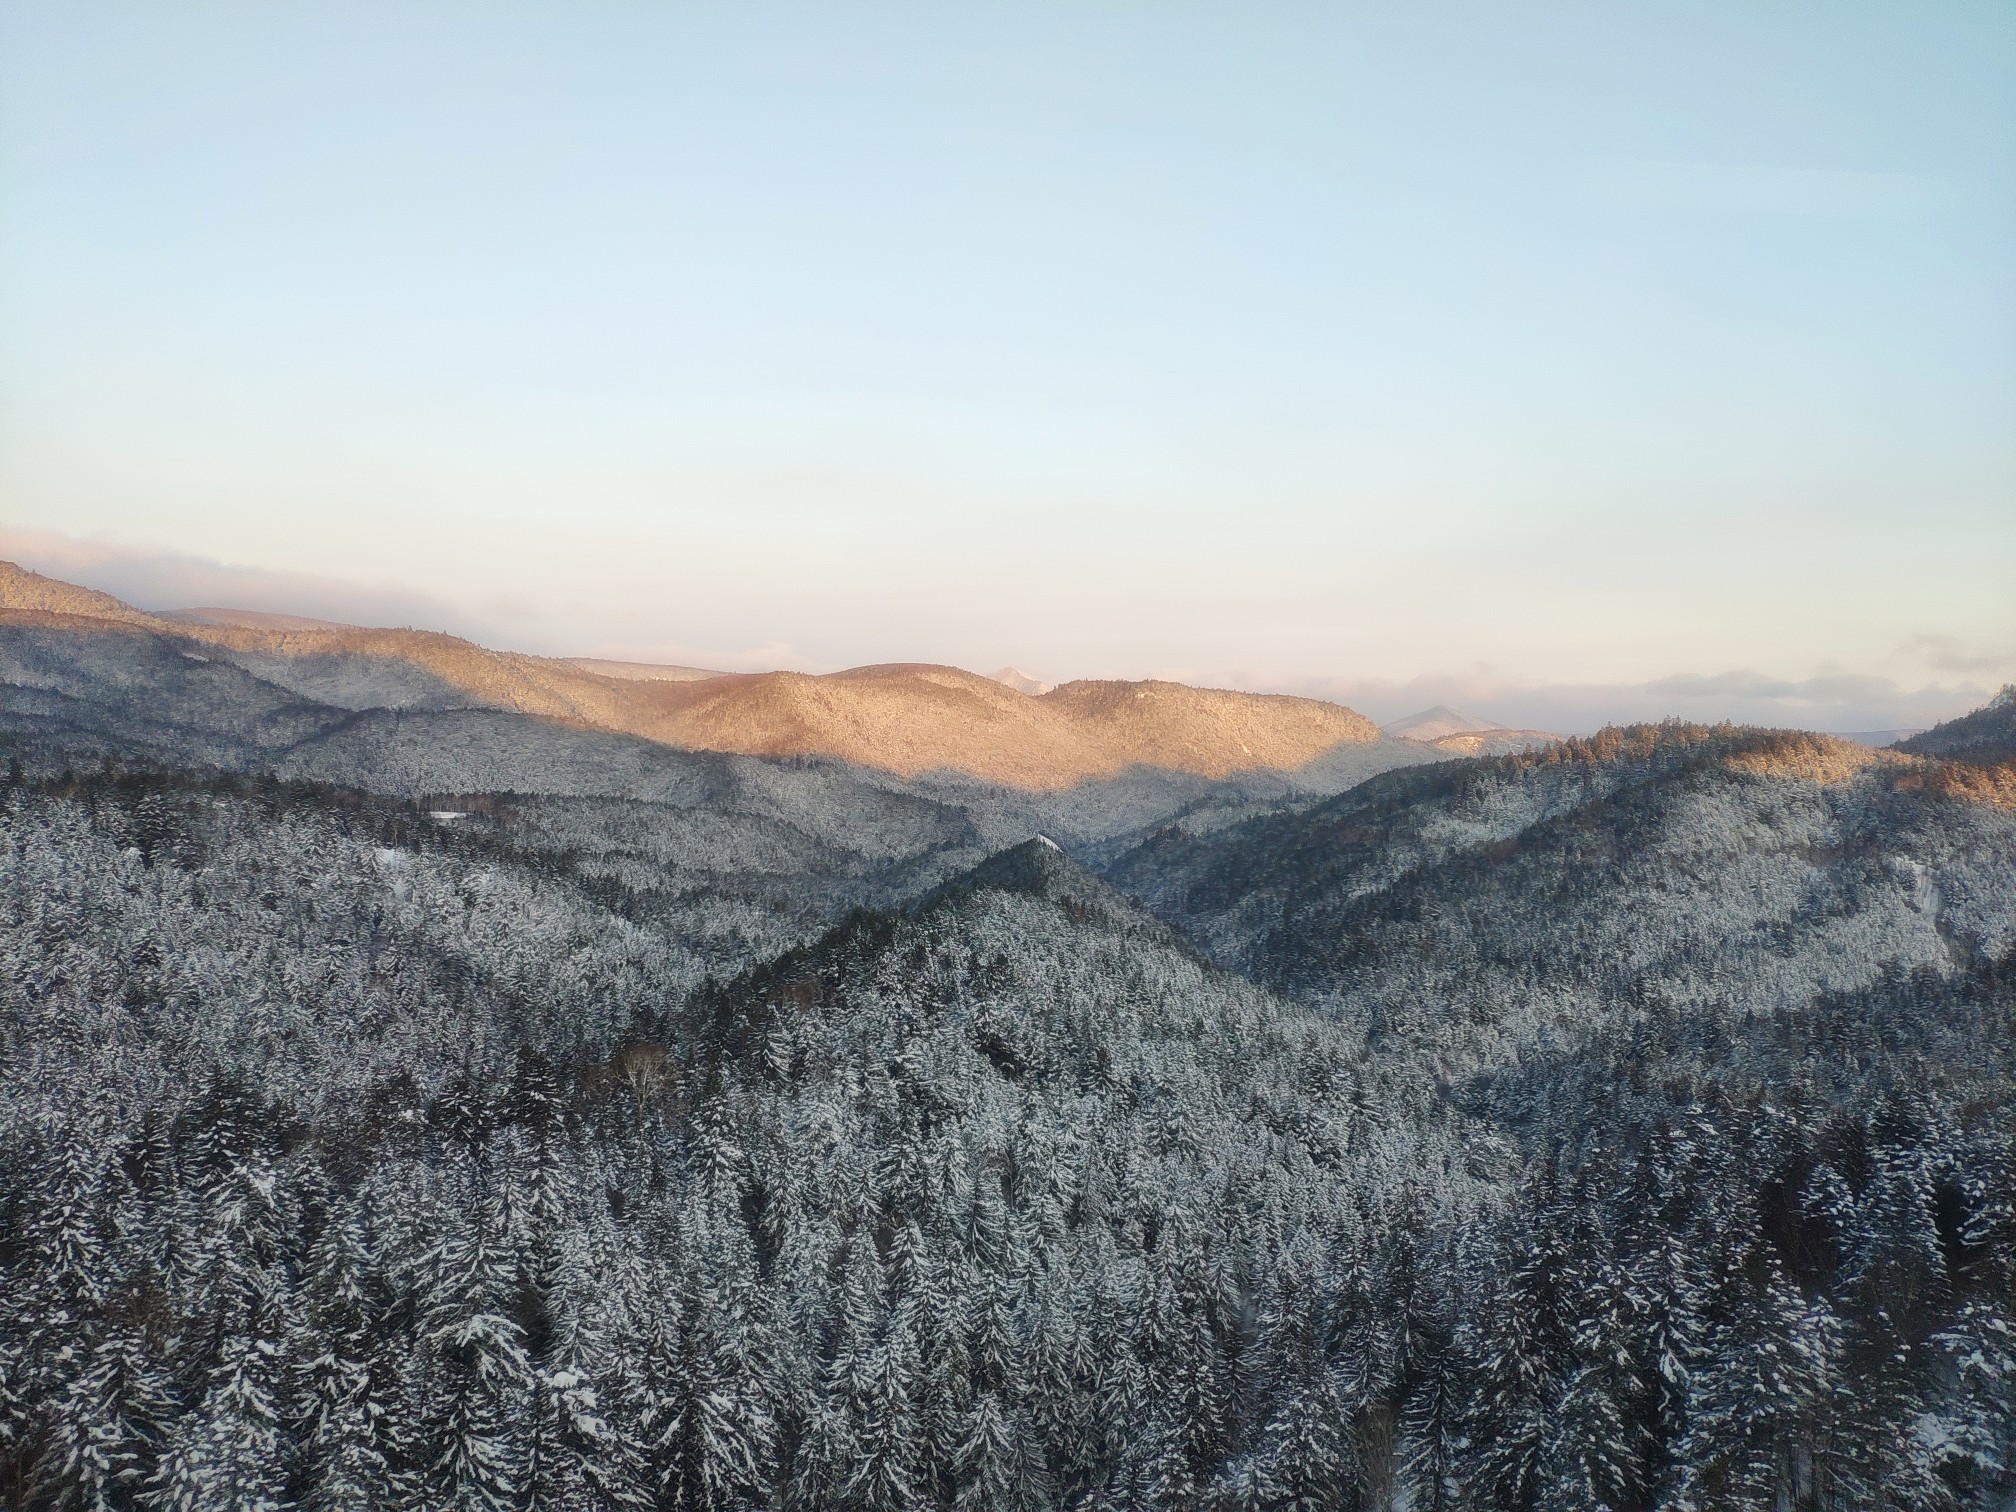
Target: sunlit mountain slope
x=905, y=718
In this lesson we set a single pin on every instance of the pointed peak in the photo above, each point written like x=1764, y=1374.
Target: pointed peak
x=1037, y=865
x=1433, y=724
x=1020, y=681
x=1040, y=868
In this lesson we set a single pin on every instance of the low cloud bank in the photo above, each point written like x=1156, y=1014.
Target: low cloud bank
x=156, y=580
x=1829, y=700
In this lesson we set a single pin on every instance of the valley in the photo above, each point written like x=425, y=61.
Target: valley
x=416, y=1094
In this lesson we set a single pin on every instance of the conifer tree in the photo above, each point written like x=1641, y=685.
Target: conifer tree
x=479, y=1379
x=343, y=1432
x=1763, y=1403
x=104, y=1429
x=233, y=1450
x=1509, y=1349
x=997, y=1465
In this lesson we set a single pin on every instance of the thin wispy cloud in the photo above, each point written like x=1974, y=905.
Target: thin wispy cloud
x=1770, y=189
x=1948, y=653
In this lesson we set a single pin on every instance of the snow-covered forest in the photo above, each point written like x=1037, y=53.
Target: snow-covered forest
x=1620, y=1129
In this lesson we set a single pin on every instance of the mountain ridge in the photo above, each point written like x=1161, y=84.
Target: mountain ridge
x=907, y=718
x=1872, y=861
x=1983, y=737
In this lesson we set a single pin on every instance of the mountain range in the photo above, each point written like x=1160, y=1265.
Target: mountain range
x=909, y=719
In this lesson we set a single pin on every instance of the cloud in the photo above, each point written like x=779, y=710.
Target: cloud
x=1948, y=653
x=773, y=656
x=1822, y=691
x=1831, y=699
x=1760, y=189
x=157, y=580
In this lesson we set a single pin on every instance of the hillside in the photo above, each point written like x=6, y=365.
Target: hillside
x=1572, y=887
x=796, y=840
x=29, y=597
x=641, y=671
x=250, y=619
x=914, y=718
x=1498, y=741
x=909, y=718
x=359, y=1159
x=1985, y=737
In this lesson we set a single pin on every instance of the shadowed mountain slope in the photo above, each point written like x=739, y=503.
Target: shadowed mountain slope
x=76, y=688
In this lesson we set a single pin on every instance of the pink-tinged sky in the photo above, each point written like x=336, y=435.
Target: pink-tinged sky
x=1567, y=362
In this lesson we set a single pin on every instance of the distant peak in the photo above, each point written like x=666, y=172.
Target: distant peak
x=1040, y=868
x=1021, y=682
x=1035, y=866
x=1433, y=724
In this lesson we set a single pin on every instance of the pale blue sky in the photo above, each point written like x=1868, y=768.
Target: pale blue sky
x=1667, y=354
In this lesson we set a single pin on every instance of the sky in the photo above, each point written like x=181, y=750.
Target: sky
x=1576, y=362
